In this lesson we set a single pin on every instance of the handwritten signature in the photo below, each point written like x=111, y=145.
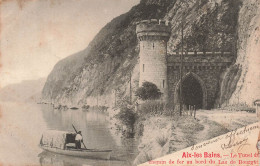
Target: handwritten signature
x=232, y=142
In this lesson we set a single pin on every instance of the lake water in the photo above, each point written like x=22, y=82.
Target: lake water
x=22, y=124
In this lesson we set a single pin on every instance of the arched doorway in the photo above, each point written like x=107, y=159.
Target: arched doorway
x=193, y=91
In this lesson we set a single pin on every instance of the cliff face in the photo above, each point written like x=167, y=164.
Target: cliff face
x=208, y=25
x=241, y=82
x=105, y=65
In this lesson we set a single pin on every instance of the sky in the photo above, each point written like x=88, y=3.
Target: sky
x=36, y=34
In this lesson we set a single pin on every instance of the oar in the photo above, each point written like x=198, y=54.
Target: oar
x=77, y=132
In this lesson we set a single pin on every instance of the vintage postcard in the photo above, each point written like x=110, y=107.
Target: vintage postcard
x=129, y=82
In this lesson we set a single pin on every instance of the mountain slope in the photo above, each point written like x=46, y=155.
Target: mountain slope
x=105, y=65
x=102, y=70
x=26, y=91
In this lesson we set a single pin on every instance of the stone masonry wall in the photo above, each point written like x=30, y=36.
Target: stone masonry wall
x=153, y=64
x=206, y=68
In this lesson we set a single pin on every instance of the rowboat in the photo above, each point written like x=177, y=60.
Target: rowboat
x=63, y=142
x=85, y=153
x=74, y=108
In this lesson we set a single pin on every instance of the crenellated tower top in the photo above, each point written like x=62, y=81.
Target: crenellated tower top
x=153, y=30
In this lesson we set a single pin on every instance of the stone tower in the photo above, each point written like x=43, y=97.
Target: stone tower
x=153, y=36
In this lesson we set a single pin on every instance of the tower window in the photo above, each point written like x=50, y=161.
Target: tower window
x=163, y=83
x=153, y=45
x=143, y=67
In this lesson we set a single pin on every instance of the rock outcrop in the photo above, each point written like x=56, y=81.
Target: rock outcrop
x=241, y=82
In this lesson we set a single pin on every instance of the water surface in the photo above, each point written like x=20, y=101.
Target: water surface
x=24, y=123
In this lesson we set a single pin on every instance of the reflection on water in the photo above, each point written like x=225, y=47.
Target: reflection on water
x=96, y=134
x=51, y=159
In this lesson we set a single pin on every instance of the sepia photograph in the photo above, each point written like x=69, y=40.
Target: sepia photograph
x=124, y=82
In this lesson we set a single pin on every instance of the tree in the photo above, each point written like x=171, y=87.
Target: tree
x=148, y=91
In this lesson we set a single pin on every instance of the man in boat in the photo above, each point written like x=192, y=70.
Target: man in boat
x=78, y=140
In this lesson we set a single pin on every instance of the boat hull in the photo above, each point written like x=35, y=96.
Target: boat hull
x=85, y=153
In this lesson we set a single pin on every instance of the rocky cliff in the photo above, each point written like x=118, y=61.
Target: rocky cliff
x=241, y=82
x=103, y=69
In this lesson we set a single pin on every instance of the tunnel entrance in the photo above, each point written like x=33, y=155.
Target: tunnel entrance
x=192, y=92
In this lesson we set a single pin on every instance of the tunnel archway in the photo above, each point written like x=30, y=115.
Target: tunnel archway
x=194, y=91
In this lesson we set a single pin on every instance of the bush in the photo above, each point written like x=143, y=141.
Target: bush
x=162, y=140
x=148, y=91
x=152, y=107
x=127, y=117
x=85, y=107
